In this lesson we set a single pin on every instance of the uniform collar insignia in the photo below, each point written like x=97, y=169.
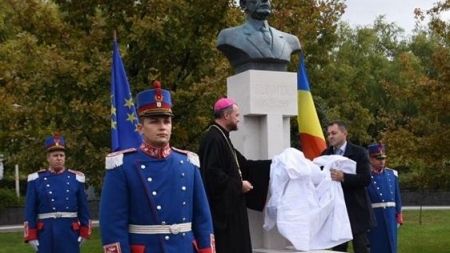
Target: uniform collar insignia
x=156, y=152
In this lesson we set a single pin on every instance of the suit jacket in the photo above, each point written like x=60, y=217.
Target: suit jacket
x=355, y=186
x=244, y=43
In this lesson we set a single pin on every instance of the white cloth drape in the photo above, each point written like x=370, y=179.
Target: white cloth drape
x=307, y=207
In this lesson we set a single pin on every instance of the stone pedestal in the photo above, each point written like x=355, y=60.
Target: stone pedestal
x=267, y=100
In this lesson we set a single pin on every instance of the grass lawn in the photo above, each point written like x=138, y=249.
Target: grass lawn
x=13, y=243
x=430, y=236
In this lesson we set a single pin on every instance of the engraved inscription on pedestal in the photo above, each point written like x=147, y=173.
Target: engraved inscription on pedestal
x=272, y=97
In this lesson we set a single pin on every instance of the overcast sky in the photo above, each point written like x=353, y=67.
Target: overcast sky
x=364, y=12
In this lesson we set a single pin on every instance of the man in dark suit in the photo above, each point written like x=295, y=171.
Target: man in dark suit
x=256, y=45
x=354, y=186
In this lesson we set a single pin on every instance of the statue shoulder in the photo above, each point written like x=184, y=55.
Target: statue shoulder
x=228, y=35
x=291, y=39
x=115, y=159
x=191, y=156
x=35, y=175
x=232, y=30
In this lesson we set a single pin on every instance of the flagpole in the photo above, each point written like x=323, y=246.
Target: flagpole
x=124, y=118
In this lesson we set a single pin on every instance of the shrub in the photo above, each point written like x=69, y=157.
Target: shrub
x=9, y=199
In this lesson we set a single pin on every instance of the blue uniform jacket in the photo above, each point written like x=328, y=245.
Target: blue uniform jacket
x=384, y=188
x=51, y=193
x=141, y=190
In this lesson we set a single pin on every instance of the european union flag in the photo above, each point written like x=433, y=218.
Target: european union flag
x=124, y=119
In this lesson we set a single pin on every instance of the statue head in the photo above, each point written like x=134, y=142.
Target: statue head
x=256, y=9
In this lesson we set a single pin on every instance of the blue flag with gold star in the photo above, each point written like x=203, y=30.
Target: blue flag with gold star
x=124, y=119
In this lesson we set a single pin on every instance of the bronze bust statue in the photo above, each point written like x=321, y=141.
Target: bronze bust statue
x=256, y=45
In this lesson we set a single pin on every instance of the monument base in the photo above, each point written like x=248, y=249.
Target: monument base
x=290, y=251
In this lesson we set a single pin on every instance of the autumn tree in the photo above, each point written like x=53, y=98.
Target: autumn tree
x=56, y=59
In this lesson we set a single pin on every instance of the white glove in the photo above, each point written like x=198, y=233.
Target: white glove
x=34, y=244
x=81, y=240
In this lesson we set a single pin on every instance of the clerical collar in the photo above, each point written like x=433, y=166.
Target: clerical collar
x=227, y=134
x=258, y=24
x=51, y=170
x=156, y=152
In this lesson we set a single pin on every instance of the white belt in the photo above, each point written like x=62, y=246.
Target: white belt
x=57, y=215
x=384, y=204
x=160, y=229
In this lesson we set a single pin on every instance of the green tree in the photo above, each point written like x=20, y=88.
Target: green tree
x=56, y=59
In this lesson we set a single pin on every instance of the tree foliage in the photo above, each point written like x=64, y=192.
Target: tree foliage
x=56, y=64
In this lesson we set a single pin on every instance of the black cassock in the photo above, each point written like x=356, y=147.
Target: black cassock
x=222, y=177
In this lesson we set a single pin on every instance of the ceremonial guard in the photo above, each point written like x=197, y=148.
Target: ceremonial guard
x=153, y=200
x=57, y=215
x=384, y=194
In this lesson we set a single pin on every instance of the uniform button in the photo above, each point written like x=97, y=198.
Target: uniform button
x=50, y=192
x=154, y=193
x=45, y=178
x=48, y=185
x=182, y=174
x=163, y=223
x=53, y=199
x=68, y=183
x=68, y=176
x=67, y=198
x=183, y=234
x=67, y=190
x=166, y=237
x=183, y=188
x=142, y=166
x=54, y=208
x=184, y=203
x=184, y=219
x=181, y=161
x=149, y=179
x=67, y=207
x=158, y=207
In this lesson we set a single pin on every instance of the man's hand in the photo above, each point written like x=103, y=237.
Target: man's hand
x=246, y=186
x=34, y=244
x=337, y=175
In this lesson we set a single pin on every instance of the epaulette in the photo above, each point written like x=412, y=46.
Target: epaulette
x=78, y=175
x=393, y=171
x=191, y=156
x=115, y=159
x=35, y=175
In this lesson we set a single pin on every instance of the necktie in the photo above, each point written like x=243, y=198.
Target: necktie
x=339, y=151
x=266, y=35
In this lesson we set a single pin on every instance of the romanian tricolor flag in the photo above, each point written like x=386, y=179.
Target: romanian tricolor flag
x=311, y=135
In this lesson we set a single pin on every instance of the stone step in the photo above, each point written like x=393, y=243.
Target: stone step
x=290, y=251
